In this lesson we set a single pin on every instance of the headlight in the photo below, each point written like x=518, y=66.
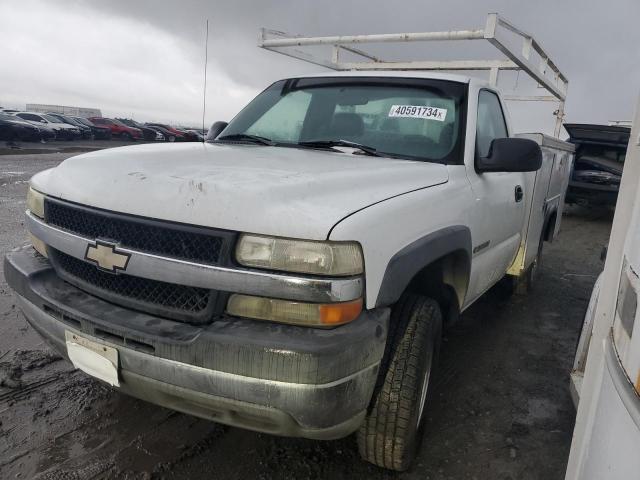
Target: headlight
x=296, y=313
x=35, y=202
x=300, y=256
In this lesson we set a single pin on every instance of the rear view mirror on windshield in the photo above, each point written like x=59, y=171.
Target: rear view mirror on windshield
x=347, y=97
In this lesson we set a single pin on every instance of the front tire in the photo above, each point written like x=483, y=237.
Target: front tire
x=393, y=427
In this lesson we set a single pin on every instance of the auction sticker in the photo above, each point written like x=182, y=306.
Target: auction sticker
x=418, y=111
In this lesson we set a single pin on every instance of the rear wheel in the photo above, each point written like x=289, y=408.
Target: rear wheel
x=172, y=138
x=393, y=427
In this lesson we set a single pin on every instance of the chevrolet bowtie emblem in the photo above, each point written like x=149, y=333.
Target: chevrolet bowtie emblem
x=106, y=257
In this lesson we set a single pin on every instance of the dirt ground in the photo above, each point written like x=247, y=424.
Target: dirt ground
x=501, y=409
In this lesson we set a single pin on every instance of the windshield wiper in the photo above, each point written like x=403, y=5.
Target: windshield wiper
x=340, y=143
x=248, y=138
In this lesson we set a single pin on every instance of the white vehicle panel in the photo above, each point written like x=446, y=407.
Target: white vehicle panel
x=386, y=228
x=496, y=219
x=607, y=430
x=291, y=192
x=613, y=452
x=544, y=197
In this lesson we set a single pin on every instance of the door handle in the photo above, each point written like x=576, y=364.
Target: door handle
x=519, y=194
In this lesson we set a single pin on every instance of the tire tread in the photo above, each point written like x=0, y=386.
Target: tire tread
x=388, y=436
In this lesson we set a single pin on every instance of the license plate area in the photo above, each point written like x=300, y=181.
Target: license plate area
x=95, y=359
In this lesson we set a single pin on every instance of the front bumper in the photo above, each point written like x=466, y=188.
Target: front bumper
x=101, y=133
x=136, y=135
x=47, y=134
x=29, y=133
x=280, y=379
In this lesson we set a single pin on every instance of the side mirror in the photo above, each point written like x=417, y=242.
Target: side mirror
x=511, y=155
x=215, y=130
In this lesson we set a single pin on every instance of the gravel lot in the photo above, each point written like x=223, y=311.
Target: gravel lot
x=502, y=409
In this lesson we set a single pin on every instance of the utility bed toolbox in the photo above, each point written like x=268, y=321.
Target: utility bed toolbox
x=548, y=186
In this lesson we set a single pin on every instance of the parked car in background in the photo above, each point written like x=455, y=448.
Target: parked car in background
x=118, y=129
x=198, y=136
x=597, y=170
x=13, y=129
x=148, y=134
x=67, y=131
x=180, y=135
x=99, y=132
x=168, y=136
x=62, y=131
x=84, y=130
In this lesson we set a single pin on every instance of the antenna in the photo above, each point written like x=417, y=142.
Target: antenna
x=204, y=90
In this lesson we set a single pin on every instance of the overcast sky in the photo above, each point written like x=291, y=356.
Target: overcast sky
x=145, y=59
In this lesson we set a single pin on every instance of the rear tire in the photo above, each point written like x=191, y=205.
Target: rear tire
x=393, y=427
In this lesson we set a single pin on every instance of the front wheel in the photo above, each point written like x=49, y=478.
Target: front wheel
x=126, y=136
x=392, y=430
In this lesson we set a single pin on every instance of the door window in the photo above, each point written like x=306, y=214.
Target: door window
x=491, y=123
x=29, y=116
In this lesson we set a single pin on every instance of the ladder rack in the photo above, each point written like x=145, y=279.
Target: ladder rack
x=496, y=31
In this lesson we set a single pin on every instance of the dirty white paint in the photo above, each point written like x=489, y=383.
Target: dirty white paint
x=606, y=438
x=268, y=190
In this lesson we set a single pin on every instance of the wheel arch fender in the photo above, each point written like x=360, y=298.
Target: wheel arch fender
x=445, y=252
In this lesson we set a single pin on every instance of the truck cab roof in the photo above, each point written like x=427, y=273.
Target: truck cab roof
x=396, y=74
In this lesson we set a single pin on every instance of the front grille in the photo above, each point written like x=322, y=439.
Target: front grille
x=184, y=242
x=152, y=296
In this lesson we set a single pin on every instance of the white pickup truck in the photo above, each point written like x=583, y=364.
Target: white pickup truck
x=294, y=274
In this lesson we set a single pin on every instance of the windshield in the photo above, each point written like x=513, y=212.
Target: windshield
x=64, y=119
x=83, y=121
x=51, y=119
x=400, y=117
x=4, y=116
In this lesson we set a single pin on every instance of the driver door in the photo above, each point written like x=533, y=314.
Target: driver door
x=497, y=216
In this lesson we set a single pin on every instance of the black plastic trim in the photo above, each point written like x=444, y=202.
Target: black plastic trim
x=228, y=237
x=251, y=348
x=405, y=264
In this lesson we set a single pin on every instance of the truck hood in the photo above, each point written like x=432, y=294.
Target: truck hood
x=270, y=190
